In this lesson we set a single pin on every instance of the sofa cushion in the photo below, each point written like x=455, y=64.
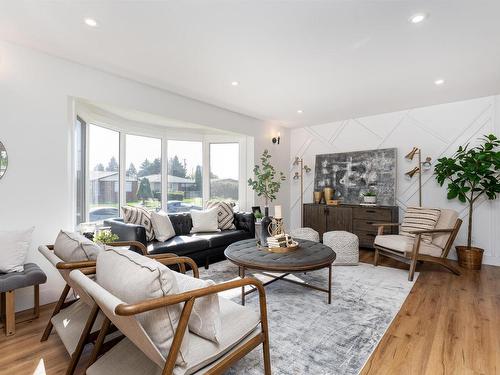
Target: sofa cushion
x=162, y=226
x=180, y=245
x=223, y=238
x=135, y=278
x=404, y=244
x=225, y=214
x=419, y=218
x=205, y=221
x=205, y=316
x=73, y=247
x=139, y=216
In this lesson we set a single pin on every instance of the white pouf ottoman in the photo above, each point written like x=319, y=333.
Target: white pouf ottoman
x=345, y=245
x=305, y=234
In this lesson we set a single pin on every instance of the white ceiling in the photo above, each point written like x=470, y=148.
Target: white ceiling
x=332, y=59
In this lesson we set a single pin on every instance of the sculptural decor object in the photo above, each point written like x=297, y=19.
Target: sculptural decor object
x=4, y=160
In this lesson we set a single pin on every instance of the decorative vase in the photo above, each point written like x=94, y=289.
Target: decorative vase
x=318, y=196
x=264, y=227
x=470, y=257
x=328, y=193
x=371, y=199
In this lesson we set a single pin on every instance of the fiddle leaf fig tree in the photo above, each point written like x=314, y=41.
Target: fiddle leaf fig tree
x=472, y=173
x=267, y=181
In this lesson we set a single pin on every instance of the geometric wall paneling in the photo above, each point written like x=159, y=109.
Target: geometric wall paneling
x=437, y=129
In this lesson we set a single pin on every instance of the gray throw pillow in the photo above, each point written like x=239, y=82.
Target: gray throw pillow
x=73, y=247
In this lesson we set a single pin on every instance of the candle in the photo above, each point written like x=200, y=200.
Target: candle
x=277, y=212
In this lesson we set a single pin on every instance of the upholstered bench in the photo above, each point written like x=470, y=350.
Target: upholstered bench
x=345, y=245
x=9, y=282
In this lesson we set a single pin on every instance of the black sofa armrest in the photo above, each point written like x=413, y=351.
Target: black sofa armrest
x=245, y=221
x=127, y=232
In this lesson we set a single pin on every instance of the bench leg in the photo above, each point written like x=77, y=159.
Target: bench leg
x=10, y=316
x=36, y=305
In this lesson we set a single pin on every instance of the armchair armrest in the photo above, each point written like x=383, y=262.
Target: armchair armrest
x=136, y=244
x=152, y=304
x=127, y=232
x=430, y=231
x=245, y=221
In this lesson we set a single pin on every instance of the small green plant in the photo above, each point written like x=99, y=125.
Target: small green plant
x=267, y=181
x=258, y=215
x=472, y=173
x=105, y=236
x=369, y=194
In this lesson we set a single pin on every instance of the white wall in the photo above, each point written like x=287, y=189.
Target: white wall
x=35, y=127
x=438, y=130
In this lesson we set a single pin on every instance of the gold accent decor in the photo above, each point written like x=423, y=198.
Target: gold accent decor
x=300, y=176
x=318, y=197
x=418, y=169
x=333, y=202
x=328, y=192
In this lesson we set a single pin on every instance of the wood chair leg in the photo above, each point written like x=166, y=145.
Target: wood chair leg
x=413, y=265
x=100, y=340
x=57, y=308
x=375, y=259
x=75, y=357
x=10, y=314
x=36, y=302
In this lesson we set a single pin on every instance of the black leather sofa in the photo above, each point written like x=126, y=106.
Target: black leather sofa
x=203, y=248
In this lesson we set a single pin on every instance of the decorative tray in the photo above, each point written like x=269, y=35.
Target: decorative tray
x=292, y=247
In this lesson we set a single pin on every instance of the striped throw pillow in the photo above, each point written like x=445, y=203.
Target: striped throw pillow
x=225, y=214
x=139, y=216
x=419, y=218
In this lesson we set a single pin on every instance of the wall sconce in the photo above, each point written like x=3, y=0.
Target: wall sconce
x=300, y=176
x=276, y=140
x=422, y=166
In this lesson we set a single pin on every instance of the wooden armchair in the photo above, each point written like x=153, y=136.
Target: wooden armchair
x=136, y=353
x=412, y=250
x=76, y=322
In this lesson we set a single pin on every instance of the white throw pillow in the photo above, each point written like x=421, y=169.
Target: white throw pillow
x=14, y=247
x=205, y=316
x=162, y=226
x=205, y=221
x=73, y=247
x=133, y=278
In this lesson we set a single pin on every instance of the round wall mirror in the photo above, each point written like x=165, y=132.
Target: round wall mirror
x=4, y=160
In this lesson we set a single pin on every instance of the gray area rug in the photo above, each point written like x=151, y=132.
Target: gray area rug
x=307, y=335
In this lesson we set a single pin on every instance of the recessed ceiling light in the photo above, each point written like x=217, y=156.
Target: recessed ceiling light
x=439, y=82
x=299, y=111
x=235, y=83
x=90, y=22
x=417, y=18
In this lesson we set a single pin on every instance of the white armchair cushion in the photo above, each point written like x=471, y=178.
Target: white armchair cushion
x=163, y=228
x=134, y=278
x=205, y=317
x=404, y=244
x=419, y=218
x=205, y=221
x=73, y=247
x=14, y=247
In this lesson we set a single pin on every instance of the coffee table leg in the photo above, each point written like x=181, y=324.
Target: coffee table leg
x=330, y=285
x=242, y=275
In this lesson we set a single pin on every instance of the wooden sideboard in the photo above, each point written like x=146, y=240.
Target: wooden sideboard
x=351, y=218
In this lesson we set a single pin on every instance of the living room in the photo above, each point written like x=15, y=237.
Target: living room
x=263, y=149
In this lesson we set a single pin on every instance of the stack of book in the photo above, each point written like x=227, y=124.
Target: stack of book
x=280, y=240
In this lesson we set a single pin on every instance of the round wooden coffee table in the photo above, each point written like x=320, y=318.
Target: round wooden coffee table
x=309, y=256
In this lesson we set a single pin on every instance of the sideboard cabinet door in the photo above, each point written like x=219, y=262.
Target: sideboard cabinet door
x=314, y=217
x=338, y=218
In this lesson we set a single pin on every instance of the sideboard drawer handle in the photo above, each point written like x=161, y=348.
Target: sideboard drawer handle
x=371, y=211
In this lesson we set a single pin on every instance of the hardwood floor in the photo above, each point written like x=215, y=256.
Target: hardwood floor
x=448, y=325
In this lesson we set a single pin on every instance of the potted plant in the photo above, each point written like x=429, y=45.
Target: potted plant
x=369, y=197
x=105, y=236
x=258, y=217
x=267, y=183
x=471, y=173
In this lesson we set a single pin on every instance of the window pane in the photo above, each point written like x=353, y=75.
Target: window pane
x=224, y=171
x=185, y=177
x=143, y=173
x=104, y=170
x=80, y=132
